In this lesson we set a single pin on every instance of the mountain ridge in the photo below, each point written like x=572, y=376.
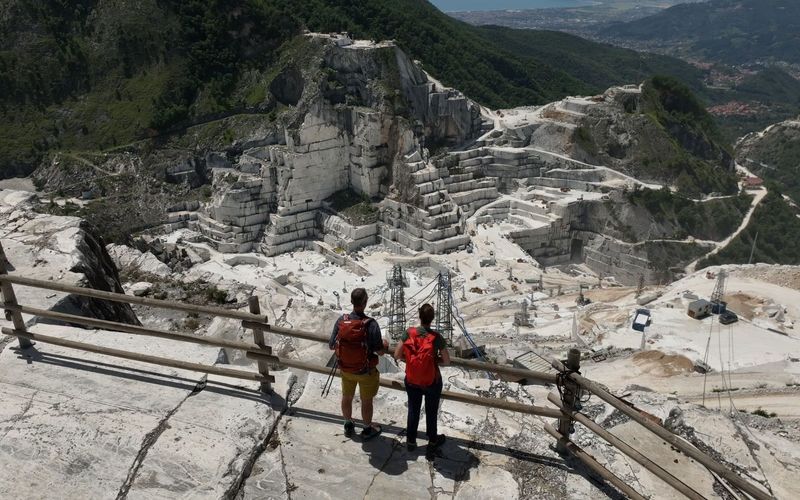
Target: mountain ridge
x=100, y=74
x=727, y=31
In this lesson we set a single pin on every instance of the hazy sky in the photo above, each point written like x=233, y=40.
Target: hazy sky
x=453, y=5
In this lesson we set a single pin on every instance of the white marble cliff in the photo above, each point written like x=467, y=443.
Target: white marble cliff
x=362, y=118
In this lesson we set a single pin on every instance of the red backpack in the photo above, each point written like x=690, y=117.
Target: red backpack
x=420, y=355
x=352, y=349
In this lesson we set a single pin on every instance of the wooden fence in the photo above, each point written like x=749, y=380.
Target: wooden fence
x=565, y=405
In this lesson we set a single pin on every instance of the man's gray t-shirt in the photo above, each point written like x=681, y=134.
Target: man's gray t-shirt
x=374, y=339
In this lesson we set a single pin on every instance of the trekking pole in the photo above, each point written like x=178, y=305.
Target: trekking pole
x=328, y=381
x=326, y=389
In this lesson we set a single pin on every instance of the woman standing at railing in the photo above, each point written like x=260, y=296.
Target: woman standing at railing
x=423, y=349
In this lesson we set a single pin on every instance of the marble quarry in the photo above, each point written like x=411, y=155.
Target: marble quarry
x=510, y=165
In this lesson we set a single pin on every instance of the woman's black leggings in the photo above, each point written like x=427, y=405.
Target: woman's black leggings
x=416, y=394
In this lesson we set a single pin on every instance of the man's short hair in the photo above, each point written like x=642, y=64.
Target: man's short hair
x=358, y=297
x=426, y=314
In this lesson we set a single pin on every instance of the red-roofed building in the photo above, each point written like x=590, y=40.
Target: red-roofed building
x=753, y=182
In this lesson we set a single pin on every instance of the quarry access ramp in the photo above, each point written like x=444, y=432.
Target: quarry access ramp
x=566, y=404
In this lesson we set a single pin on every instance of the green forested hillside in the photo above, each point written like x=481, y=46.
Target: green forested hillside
x=453, y=51
x=677, y=141
x=99, y=74
x=728, y=31
x=752, y=45
x=771, y=85
x=680, y=112
x=772, y=92
x=710, y=220
x=778, y=228
x=774, y=154
x=600, y=65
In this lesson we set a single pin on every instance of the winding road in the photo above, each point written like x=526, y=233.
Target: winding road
x=718, y=246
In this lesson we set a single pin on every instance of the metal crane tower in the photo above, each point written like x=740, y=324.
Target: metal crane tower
x=444, y=307
x=719, y=292
x=397, y=306
x=640, y=287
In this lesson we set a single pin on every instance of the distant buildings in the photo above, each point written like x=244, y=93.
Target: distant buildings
x=753, y=182
x=699, y=309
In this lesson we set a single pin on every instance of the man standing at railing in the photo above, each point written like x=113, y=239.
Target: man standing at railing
x=357, y=340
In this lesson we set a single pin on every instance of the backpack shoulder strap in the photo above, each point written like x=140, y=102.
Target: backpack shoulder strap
x=343, y=319
x=433, y=334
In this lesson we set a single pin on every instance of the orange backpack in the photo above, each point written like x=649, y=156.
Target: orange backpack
x=352, y=349
x=420, y=355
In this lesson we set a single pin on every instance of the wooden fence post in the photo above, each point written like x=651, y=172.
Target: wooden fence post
x=570, y=395
x=258, y=338
x=10, y=299
x=594, y=465
x=622, y=446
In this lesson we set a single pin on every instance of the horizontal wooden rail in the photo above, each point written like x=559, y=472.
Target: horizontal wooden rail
x=242, y=374
x=535, y=376
x=541, y=377
x=289, y=332
x=593, y=464
x=399, y=386
x=622, y=446
x=670, y=437
x=250, y=321
x=144, y=358
x=129, y=299
x=138, y=330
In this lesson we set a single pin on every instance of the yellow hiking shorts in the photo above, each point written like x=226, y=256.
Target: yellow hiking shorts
x=367, y=384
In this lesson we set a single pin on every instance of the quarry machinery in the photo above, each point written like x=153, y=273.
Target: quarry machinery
x=719, y=306
x=444, y=307
x=397, y=305
x=582, y=300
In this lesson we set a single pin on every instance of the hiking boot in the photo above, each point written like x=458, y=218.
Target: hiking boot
x=411, y=445
x=371, y=431
x=437, y=441
x=349, y=428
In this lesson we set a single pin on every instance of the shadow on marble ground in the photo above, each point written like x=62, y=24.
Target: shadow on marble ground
x=453, y=460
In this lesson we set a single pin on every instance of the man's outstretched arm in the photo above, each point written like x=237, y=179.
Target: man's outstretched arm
x=334, y=334
x=378, y=344
x=398, y=351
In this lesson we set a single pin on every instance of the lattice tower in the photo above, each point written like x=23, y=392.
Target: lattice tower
x=719, y=288
x=397, y=305
x=444, y=307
